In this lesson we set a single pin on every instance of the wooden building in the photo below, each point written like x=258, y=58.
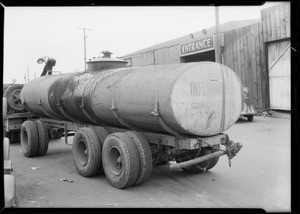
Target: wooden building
x=257, y=50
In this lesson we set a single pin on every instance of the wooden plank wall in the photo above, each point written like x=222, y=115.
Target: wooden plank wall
x=244, y=53
x=276, y=22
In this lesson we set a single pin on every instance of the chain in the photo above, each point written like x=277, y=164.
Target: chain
x=231, y=150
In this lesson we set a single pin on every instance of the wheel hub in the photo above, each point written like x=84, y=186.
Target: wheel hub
x=115, y=161
x=82, y=153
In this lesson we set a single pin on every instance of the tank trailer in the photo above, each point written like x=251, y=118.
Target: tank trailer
x=129, y=119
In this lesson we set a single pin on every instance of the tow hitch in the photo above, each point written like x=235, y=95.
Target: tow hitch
x=231, y=149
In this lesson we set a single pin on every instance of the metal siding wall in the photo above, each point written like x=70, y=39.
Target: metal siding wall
x=161, y=56
x=174, y=56
x=168, y=55
x=143, y=59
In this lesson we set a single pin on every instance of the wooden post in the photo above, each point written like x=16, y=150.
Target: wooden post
x=218, y=57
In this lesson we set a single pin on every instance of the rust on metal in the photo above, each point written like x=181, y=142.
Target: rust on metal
x=86, y=97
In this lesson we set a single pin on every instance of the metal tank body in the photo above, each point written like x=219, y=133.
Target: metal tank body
x=201, y=99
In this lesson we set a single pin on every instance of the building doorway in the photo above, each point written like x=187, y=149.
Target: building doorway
x=199, y=57
x=279, y=67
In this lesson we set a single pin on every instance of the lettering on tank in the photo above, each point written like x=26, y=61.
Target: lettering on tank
x=204, y=88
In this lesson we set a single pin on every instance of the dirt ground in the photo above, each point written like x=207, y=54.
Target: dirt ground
x=259, y=177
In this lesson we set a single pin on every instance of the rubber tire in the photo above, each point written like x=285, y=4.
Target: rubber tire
x=43, y=138
x=127, y=149
x=250, y=118
x=8, y=93
x=145, y=156
x=29, y=138
x=89, y=138
x=102, y=134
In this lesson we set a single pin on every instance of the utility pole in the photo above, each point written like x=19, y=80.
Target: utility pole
x=25, y=77
x=28, y=72
x=217, y=37
x=84, y=43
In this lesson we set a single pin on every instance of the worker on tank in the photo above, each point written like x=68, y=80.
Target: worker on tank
x=48, y=66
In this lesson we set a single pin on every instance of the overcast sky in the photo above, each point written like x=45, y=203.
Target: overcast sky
x=33, y=32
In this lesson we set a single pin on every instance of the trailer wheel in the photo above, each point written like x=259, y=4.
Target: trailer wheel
x=120, y=160
x=250, y=118
x=12, y=94
x=86, y=152
x=29, y=138
x=145, y=156
x=43, y=137
x=102, y=134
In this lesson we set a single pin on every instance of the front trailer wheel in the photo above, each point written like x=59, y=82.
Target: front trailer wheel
x=86, y=150
x=120, y=159
x=43, y=137
x=29, y=138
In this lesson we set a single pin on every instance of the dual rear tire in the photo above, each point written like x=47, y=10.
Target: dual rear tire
x=34, y=138
x=125, y=158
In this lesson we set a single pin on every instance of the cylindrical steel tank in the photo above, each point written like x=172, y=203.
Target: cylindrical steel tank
x=200, y=99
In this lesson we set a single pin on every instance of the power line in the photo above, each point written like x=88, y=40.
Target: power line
x=84, y=43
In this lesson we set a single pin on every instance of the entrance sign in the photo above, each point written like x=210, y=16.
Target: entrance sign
x=198, y=46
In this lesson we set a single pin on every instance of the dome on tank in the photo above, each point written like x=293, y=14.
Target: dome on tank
x=105, y=62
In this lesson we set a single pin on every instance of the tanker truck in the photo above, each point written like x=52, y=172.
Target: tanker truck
x=129, y=119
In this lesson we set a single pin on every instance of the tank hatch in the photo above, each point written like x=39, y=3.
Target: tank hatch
x=105, y=62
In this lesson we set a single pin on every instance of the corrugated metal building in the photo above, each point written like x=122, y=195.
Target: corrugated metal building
x=257, y=50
